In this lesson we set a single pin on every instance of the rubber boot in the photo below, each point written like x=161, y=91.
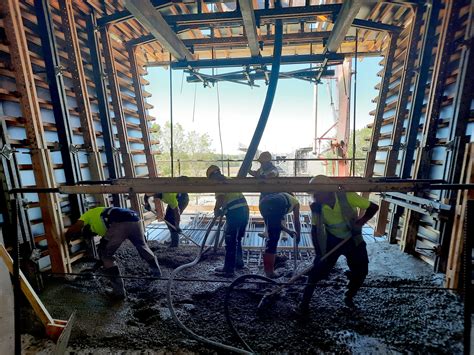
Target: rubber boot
x=174, y=240
x=268, y=265
x=118, y=290
x=239, y=261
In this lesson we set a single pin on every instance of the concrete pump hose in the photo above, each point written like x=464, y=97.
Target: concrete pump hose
x=170, y=299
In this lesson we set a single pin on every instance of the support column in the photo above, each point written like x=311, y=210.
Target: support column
x=42, y=166
x=381, y=103
x=103, y=104
x=433, y=108
x=82, y=96
x=414, y=116
x=71, y=165
x=119, y=115
x=401, y=110
x=150, y=159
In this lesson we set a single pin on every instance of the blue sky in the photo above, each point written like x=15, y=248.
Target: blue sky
x=291, y=122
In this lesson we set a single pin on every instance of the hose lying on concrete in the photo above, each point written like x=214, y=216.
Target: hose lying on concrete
x=170, y=299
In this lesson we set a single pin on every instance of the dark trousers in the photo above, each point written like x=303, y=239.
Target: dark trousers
x=183, y=200
x=236, y=223
x=357, y=260
x=273, y=208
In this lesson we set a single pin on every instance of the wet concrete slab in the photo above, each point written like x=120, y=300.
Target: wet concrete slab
x=389, y=319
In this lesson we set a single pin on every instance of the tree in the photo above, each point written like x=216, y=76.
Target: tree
x=192, y=152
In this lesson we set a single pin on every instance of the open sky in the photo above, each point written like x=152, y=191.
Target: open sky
x=291, y=122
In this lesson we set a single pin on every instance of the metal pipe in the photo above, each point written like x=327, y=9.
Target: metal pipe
x=171, y=120
x=245, y=167
x=355, y=104
x=16, y=274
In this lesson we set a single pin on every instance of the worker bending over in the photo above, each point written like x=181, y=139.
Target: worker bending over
x=273, y=208
x=337, y=230
x=176, y=204
x=115, y=225
x=234, y=206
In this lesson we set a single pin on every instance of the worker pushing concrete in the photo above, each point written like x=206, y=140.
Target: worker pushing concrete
x=115, y=225
x=176, y=204
x=234, y=206
x=337, y=230
x=273, y=208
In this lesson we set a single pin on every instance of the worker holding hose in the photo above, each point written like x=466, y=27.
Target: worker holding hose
x=176, y=204
x=273, y=208
x=115, y=225
x=234, y=206
x=337, y=230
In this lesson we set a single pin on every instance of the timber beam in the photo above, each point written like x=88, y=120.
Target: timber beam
x=294, y=184
x=250, y=26
x=154, y=22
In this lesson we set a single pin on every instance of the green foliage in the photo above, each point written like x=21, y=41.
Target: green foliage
x=193, y=151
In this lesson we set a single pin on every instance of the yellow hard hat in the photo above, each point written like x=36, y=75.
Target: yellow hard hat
x=264, y=157
x=211, y=170
x=320, y=179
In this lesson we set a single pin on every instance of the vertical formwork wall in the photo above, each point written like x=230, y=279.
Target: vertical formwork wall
x=425, y=126
x=100, y=110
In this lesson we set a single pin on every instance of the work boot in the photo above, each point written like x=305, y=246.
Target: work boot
x=222, y=272
x=268, y=266
x=155, y=271
x=118, y=290
x=349, y=299
x=239, y=260
x=174, y=240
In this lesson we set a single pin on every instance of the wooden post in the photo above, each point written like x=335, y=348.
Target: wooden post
x=41, y=161
x=119, y=115
x=82, y=96
x=150, y=159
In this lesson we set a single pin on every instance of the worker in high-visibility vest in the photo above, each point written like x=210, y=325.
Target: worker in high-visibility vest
x=337, y=230
x=273, y=208
x=234, y=206
x=267, y=169
x=176, y=204
x=115, y=225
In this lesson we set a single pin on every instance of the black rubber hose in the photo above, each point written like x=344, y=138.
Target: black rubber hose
x=170, y=299
x=267, y=106
x=227, y=314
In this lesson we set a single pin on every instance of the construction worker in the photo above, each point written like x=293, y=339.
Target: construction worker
x=234, y=206
x=273, y=208
x=267, y=169
x=115, y=225
x=177, y=203
x=337, y=230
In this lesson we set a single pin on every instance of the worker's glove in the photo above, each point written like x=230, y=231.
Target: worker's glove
x=146, y=204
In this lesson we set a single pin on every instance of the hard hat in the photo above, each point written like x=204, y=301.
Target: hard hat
x=320, y=179
x=264, y=157
x=211, y=170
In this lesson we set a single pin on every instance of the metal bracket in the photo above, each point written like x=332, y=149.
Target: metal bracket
x=74, y=149
x=7, y=152
x=59, y=70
